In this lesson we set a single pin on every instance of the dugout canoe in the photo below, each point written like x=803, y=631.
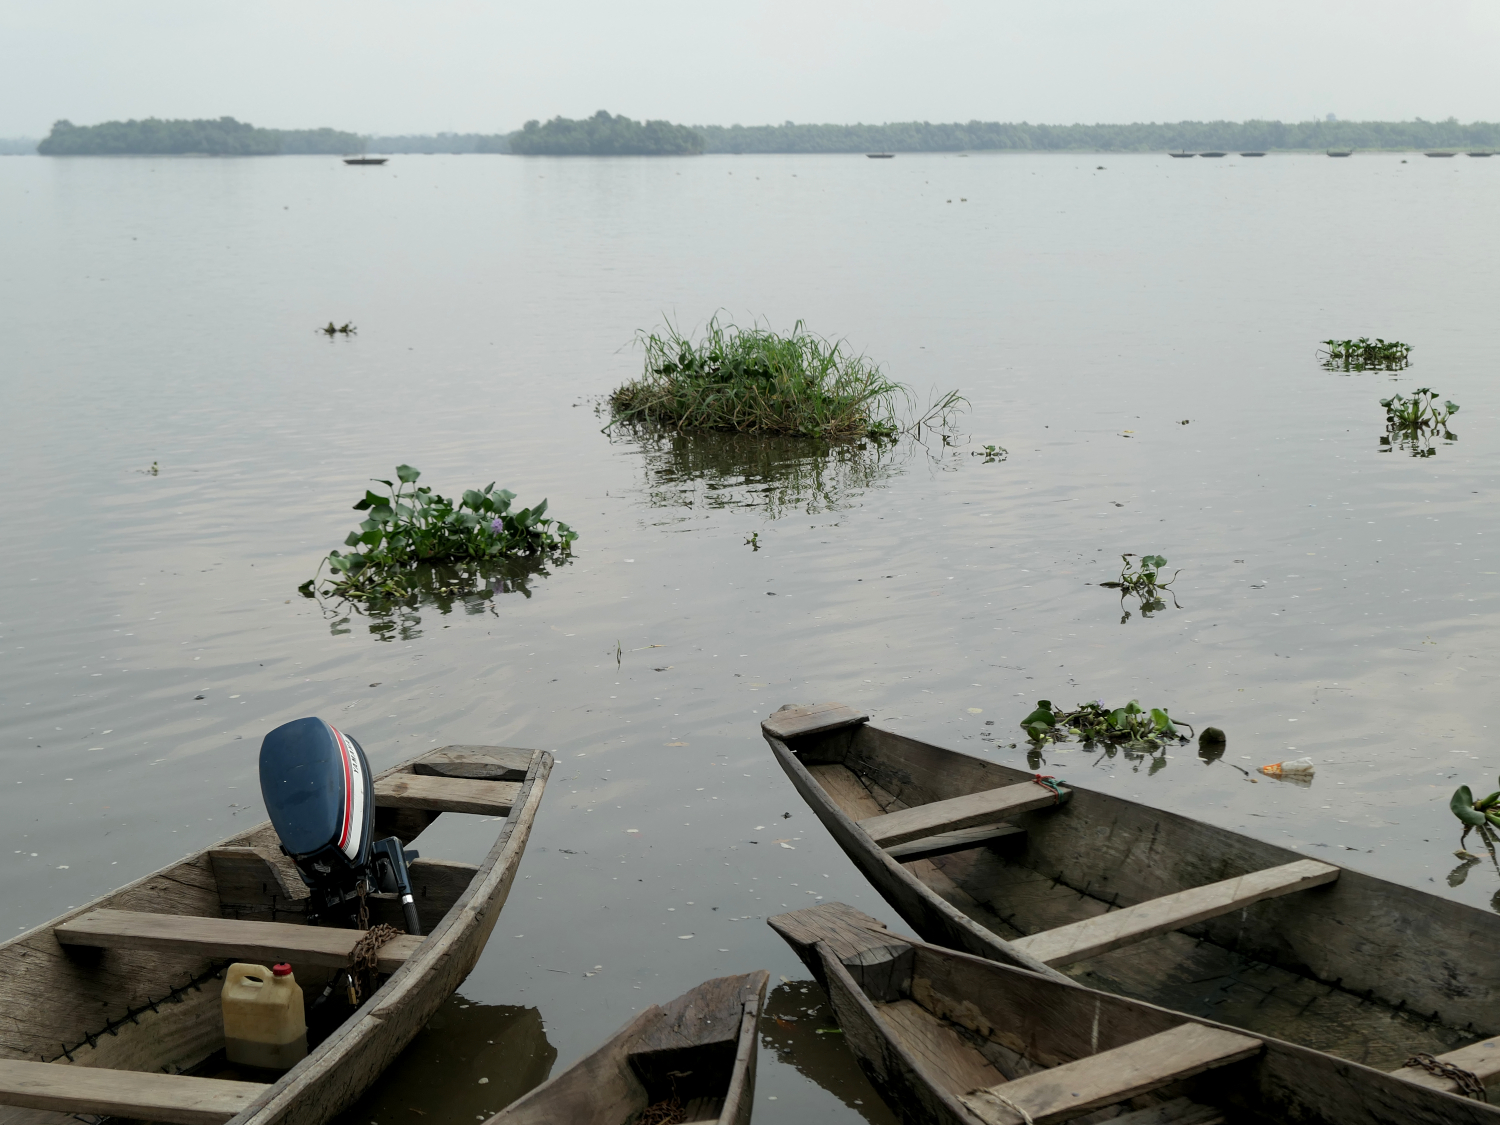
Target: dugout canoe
x=1149, y=904
x=691, y=1061
x=952, y=1039
x=113, y=1009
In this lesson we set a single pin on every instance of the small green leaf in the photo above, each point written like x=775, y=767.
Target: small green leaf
x=1462, y=804
x=407, y=473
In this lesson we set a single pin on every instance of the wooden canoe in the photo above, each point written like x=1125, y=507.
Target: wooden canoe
x=107, y=1006
x=952, y=1039
x=1149, y=904
x=692, y=1061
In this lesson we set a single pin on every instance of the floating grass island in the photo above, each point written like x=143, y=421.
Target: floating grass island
x=1365, y=354
x=754, y=380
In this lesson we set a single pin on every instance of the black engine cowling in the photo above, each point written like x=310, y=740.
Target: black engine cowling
x=317, y=786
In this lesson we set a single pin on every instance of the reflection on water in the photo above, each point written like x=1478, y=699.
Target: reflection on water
x=779, y=476
x=470, y=1061
x=470, y=589
x=799, y=1028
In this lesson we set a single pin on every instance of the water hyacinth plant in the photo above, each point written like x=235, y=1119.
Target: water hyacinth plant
x=1142, y=578
x=1415, y=423
x=415, y=526
x=1365, y=355
x=1482, y=814
x=754, y=380
x=1094, y=722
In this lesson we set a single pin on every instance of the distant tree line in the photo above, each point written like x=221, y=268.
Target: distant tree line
x=924, y=136
x=223, y=136
x=607, y=135
x=603, y=135
x=431, y=143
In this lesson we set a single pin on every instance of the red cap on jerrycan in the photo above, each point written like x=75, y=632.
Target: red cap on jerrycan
x=282, y=970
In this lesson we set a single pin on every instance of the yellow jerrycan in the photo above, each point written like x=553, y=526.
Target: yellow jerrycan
x=263, y=1018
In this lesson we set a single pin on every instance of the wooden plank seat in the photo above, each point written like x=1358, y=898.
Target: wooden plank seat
x=1104, y=932
x=143, y=1095
x=476, y=763
x=1075, y=1088
x=798, y=719
x=948, y=842
x=1481, y=1059
x=262, y=942
x=972, y=809
x=446, y=794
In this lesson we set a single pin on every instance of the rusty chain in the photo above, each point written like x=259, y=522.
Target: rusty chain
x=1467, y=1081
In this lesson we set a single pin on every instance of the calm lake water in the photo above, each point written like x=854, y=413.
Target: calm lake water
x=1141, y=337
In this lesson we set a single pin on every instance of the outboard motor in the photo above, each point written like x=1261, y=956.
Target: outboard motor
x=317, y=787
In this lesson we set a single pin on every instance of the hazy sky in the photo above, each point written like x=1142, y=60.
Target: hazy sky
x=385, y=66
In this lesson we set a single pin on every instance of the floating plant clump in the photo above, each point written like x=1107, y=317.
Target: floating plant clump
x=1142, y=578
x=754, y=380
x=1417, y=423
x=1365, y=355
x=414, y=527
x=1095, y=723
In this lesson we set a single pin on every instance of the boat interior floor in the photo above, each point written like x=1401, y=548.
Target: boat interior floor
x=990, y=883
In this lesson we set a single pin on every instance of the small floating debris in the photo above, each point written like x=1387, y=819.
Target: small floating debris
x=1295, y=767
x=346, y=329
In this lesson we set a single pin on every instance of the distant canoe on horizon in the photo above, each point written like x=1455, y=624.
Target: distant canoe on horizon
x=880, y=155
x=365, y=159
x=1349, y=153
x=1213, y=154
x=1481, y=154
x=1440, y=154
x=1181, y=155
x=1252, y=154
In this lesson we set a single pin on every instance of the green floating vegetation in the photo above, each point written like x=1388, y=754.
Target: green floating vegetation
x=1416, y=423
x=1365, y=355
x=754, y=380
x=992, y=454
x=1092, y=723
x=414, y=527
x=1142, y=579
x=346, y=329
x=1484, y=815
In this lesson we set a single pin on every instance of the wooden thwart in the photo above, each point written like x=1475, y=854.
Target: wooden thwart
x=799, y=719
x=147, y=1096
x=1481, y=1059
x=948, y=842
x=477, y=763
x=261, y=942
x=1111, y=1076
x=1103, y=932
x=446, y=794
x=968, y=811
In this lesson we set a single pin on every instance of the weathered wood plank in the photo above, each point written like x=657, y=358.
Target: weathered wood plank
x=938, y=1048
x=797, y=720
x=968, y=811
x=949, y=842
x=1482, y=1060
x=445, y=794
x=476, y=763
x=1103, y=932
x=1178, y=1111
x=173, y=1098
x=1111, y=1076
x=262, y=942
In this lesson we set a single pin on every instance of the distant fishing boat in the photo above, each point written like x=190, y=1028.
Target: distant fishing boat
x=880, y=155
x=1181, y=155
x=1350, y=152
x=1213, y=154
x=1252, y=154
x=365, y=159
x=1481, y=154
x=1440, y=154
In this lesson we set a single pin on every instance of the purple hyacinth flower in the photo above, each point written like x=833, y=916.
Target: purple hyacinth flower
x=497, y=525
